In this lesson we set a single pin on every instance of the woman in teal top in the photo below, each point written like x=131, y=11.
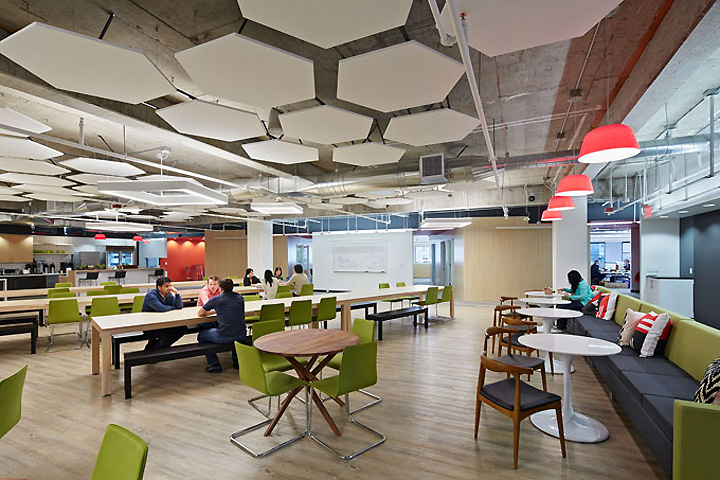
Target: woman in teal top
x=579, y=295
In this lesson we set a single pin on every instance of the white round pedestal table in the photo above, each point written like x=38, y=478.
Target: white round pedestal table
x=576, y=426
x=548, y=316
x=544, y=301
x=541, y=293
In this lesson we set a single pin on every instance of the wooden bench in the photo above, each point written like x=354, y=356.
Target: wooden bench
x=400, y=313
x=148, y=357
x=121, y=338
x=16, y=325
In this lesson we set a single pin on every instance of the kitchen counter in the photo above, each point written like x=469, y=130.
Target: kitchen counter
x=30, y=280
x=133, y=275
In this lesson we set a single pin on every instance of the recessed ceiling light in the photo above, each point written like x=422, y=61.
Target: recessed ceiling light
x=168, y=191
x=709, y=205
x=119, y=226
x=271, y=208
x=444, y=223
x=683, y=211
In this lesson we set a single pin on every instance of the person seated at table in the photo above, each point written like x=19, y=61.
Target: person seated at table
x=163, y=298
x=270, y=285
x=278, y=273
x=297, y=280
x=626, y=265
x=230, y=309
x=579, y=294
x=209, y=291
x=250, y=278
x=595, y=276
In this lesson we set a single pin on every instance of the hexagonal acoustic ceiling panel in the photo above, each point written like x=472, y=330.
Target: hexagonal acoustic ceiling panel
x=77, y=63
x=279, y=151
x=12, y=198
x=394, y=78
x=328, y=23
x=367, y=154
x=435, y=126
x=91, y=178
x=34, y=179
x=23, y=165
x=325, y=124
x=212, y=120
x=100, y=167
x=48, y=189
x=247, y=71
x=496, y=27
x=18, y=120
x=15, y=147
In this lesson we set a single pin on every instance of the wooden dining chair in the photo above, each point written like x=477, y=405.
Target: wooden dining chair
x=504, y=299
x=498, y=313
x=534, y=363
x=515, y=399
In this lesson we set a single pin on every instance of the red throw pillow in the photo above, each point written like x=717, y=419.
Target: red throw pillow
x=606, y=309
x=651, y=334
x=596, y=298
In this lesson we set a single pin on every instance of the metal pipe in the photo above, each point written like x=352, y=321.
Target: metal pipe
x=711, y=97
x=81, y=131
x=445, y=38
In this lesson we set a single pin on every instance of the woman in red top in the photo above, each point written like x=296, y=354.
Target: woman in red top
x=209, y=291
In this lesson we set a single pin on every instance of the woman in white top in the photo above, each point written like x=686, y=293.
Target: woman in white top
x=270, y=285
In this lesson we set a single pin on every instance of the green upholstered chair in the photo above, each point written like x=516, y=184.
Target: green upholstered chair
x=272, y=384
x=126, y=290
x=272, y=311
x=270, y=363
x=326, y=310
x=105, y=284
x=61, y=295
x=283, y=289
x=251, y=298
x=431, y=298
x=103, y=306
x=307, y=290
x=409, y=298
x=91, y=293
x=695, y=440
x=233, y=277
x=365, y=330
x=446, y=296
x=122, y=455
x=300, y=313
x=114, y=289
x=63, y=285
x=53, y=291
x=64, y=311
x=283, y=295
x=138, y=303
x=10, y=400
x=358, y=370
x=391, y=301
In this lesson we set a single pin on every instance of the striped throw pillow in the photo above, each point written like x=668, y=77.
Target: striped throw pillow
x=709, y=389
x=651, y=334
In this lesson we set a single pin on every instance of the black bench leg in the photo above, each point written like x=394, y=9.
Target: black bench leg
x=426, y=319
x=325, y=324
x=128, y=385
x=33, y=339
x=415, y=320
x=116, y=354
x=379, y=331
x=374, y=308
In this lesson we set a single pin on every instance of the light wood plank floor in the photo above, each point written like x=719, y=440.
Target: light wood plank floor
x=427, y=381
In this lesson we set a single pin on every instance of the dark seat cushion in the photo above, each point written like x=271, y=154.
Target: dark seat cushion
x=661, y=409
x=606, y=335
x=591, y=323
x=523, y=361
x=652, y=365
x=640, y=384
x=503, y=393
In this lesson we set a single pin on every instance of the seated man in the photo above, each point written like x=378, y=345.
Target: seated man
x=297, y=280
x=230, y=309
x=163, y=298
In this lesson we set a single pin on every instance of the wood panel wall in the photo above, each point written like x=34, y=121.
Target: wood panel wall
x=504, y=261
x=280, y=253
x=225, y=252
x=16, y=248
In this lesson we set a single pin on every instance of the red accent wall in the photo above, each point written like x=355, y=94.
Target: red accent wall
x=183, y=254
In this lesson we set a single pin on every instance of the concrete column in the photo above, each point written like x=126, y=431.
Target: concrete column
x=659, y=249
x=260, y=247
x=571, y=246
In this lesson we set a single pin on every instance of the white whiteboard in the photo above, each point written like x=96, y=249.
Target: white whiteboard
x=366, y=256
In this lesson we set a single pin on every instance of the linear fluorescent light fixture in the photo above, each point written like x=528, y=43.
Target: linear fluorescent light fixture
x=165, y=192
x=444, y=223
x=277, y=208
x=119, y=226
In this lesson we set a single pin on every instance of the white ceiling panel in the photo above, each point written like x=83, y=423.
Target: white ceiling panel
x=18, y=120
x=91, y=189
x=326, y=125
x=247, y=71
x=11, y=198
x=212, y=120
x=51, y=197
x=28, y=188
x=279, y=151
x=34, y=179
x=496, y=27
x=101, y=167
x=23, y=165
x=394, y=78
x=393, y=201
x=435, y=126
x=325, y=206
x=23, y=148
x=91, y=178
x=349, y=200
x=328, y=23
x=77, y=63
x=367, y=154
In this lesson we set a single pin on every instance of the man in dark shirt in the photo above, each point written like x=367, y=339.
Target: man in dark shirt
x=230, y=309
x=163, y=298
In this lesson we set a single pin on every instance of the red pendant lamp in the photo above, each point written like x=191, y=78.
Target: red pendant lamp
x=548, y=216
x=100, y=236
x=558, y=204
x=137, y=238
x=146, y=241
x=609, y=143
x=574, y=186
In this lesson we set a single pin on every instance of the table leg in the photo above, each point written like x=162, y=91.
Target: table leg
x=547, y=324
x=345, y=317
x=106, y=363
x=452, y=305
x=281, y=410
x=95, y=350
x=577, y=427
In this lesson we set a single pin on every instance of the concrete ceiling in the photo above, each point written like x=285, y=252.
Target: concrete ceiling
x=526, y=94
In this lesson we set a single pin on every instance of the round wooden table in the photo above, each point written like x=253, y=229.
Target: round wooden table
x=312, y=343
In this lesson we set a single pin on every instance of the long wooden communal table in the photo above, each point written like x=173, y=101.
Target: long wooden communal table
x=103, y=328
x=189, y=285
